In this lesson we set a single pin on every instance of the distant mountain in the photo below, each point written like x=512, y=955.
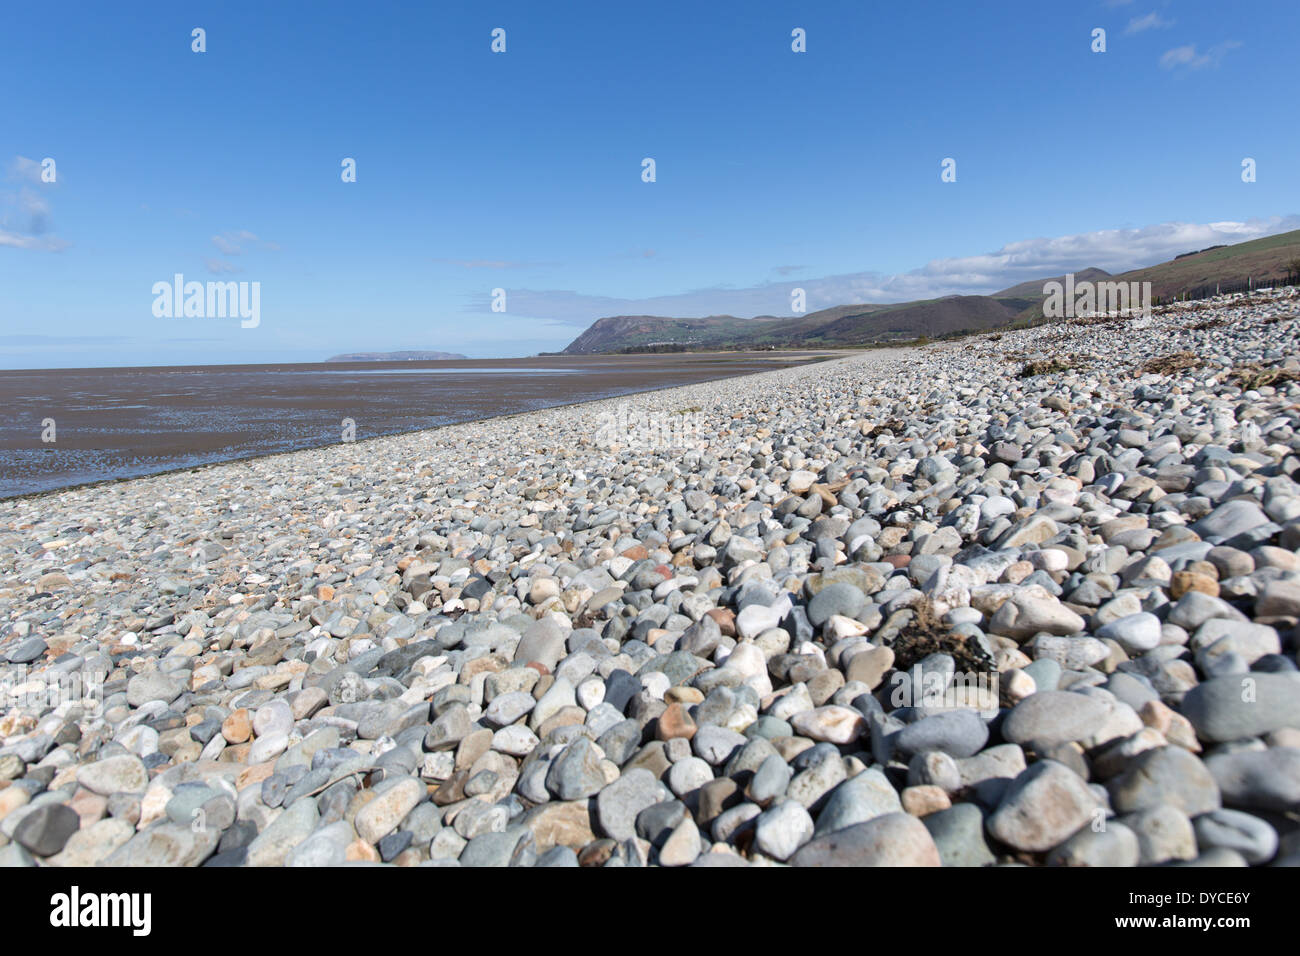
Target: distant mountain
x=627, y=331
x=395, y=357
x=1196, y=274
x=834, y=327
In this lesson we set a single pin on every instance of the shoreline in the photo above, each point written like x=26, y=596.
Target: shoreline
x=584, y=636
x=814, y=357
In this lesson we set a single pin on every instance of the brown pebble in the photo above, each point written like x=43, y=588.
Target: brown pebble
x=238, y=727
x=1184, y=581
x=572, y=716
x=674, y=722
x=253, y=775
x=791, y=747
x=684, y=695
x=924, y=799
x=596, y=853
x=823, y=685
x=452, y=789
x=359, y=851
x=721, y=793
x=725, y=618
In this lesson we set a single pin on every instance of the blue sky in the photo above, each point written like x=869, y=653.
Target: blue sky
x=523, y=170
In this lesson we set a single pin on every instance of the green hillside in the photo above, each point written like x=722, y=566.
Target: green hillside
x=1265, y=261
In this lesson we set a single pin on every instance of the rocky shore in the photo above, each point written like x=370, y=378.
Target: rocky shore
x=1027, y=598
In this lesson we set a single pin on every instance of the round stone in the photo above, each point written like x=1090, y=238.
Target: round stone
x=895, y=839
x=1042, y=807
x=123, y=773
x=782, y=830
x=838, y=598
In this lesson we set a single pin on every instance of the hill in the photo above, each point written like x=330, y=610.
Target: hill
x=837, y=326
x=644, y=332
x=1264, y=261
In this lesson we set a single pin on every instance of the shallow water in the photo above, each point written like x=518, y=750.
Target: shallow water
x=119, y=423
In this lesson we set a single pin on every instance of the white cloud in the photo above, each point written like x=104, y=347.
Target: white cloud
x=25, y=170
x=232, y=242
x=1186, y=56
x=16, y=240
x=1183, y=56
x=221, y=266
x=1115, y=250
x=1152, y=21
x=227, y=246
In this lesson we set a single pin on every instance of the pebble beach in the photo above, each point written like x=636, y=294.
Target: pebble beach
x=1023, y=598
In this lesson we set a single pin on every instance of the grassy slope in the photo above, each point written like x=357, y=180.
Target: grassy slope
x=1264, y=259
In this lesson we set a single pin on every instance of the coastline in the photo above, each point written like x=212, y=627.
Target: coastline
x=584, y=406
x=698, y=626
x=801, y=357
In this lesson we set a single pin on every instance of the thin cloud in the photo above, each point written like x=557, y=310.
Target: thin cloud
x=219, y=267
x=227, y=246
x=43, y=244
x=26, y=170
x=1183, y=56
x=1115, y=250
x=1187, y=57
x=1152, y=21
x=232, y=242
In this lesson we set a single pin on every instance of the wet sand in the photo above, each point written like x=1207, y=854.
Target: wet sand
x=127, y=422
